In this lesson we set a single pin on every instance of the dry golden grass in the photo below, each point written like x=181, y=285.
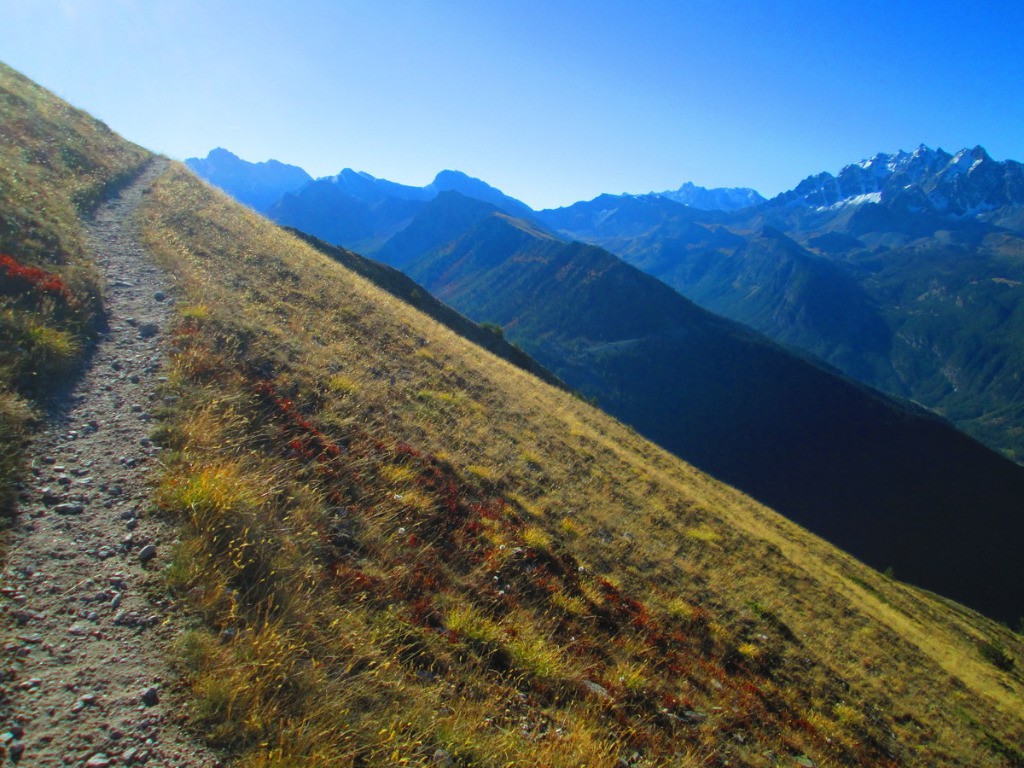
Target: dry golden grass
x=15, y=416
x=398, y=544
x=56, y=162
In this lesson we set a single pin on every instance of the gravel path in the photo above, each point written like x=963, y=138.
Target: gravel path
x=83, y=675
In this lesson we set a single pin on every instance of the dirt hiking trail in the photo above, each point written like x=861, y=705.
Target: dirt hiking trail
x=84, y=632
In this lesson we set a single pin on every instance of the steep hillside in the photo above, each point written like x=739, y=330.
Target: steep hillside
x=396, y=548
x=399, y=285
x=885, y=481
x=56, y=163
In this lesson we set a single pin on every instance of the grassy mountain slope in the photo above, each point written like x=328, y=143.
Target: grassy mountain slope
x=56, y=163
x=398, y=284
x=401, y=544
x=883, y=480
x=399, y=549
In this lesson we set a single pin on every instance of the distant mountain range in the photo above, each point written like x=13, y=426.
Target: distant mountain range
x=258, y=185
x=965, y=184
x=718, y=199
x=274, y=180
x=884, y=480
x=360, y=212
x=902, y=271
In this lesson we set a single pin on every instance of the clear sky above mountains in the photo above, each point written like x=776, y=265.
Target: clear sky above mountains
x=552, y=102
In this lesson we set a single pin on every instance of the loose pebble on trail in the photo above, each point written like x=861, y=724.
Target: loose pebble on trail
x=85, y=632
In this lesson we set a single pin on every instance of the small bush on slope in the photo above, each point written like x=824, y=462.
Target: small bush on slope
x=495, y=569
x=56, y=163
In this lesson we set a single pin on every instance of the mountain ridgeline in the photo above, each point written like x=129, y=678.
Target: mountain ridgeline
x=720, y=199
x=352, y=209
x=258, y=185
x=967, y=183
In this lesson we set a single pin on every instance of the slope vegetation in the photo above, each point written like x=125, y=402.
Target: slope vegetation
x=405, y=549
x=56, y=163
x=401, y=286
x=400, y=549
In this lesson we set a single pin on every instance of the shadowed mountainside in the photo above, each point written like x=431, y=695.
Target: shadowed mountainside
x=884, y=480
x=904, y=271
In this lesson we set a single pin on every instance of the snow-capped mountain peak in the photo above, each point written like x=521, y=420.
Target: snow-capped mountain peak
x=717, y=199
x=966, y=160
x=926, y=179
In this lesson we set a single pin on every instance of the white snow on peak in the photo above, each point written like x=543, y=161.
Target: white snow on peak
x=868, y=197
x=882, y=164
x=962, y=162
x=896, y=161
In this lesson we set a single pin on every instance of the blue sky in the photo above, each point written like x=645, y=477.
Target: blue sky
x=552, y=102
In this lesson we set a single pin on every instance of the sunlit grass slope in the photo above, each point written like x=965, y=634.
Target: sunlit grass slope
x=56, y=163
x=402, y=550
